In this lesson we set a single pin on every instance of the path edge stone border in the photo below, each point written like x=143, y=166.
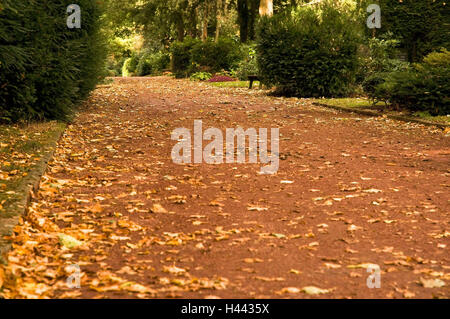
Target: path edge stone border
x=392, y=117
x=28, y=185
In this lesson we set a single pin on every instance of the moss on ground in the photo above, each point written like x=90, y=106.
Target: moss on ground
x=21, y=150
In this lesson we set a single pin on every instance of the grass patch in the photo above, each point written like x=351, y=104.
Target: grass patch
x=365, y=104
x=428, y=117
x=360, y=103
x=21, y=149
x=234, y=84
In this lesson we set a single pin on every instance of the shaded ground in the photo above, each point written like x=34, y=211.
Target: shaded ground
x=380, y=109
x=349, y=192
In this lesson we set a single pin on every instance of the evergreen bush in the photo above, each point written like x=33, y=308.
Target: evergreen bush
x=310, y=52
x=191, y=56
x=46, y=69
x=423, y=87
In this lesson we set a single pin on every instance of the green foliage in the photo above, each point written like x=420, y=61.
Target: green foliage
x=126, y=67
x=216, y=56
x=152, y=63
x=45, y=68
x=15, y=90
x=422, y=26
x=310, y=52
x=119, y=50
x=249, y=65
x=382, y=55
x=201, y=76
x=193, y=55
x=370, y=85
x=379, y=60
x=181, y=56
x=144, y=66
x=423, y=87
x=130, y=65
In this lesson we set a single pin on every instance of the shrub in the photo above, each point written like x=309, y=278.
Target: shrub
x=216, y=56
x=181, y=56
x=381, y=56
x=201, y=76
x=144, y=66
x=310, y=52
x=370, y=85
x=46, y=69
x=126, y=67
x=423, y=87
x=422, y=26
x=130, y=65
x=160, y=61
x=17, y=92
x=192, y=56
x=152, y=63
x=248, y=66
x=378, y=61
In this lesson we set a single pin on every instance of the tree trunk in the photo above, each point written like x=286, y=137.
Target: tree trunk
x=254, y=6
x=243, y=15
x=218, y=18
x=180, y=27
x=193, y=23
x=266, y=8
x=205, y=22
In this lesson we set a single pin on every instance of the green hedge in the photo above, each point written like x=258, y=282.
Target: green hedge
x=46, y=69
x=310, y=52
x=193, y=55
x=423, y=87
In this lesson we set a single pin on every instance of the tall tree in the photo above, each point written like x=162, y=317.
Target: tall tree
x=253, y=16
x=220, y=12
x=243, y=19
x=247, y=17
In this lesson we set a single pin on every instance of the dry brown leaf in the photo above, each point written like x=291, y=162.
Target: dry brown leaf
x=157, y=208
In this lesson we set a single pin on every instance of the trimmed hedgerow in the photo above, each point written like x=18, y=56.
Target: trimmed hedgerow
x=310, y=52
x=46, y=69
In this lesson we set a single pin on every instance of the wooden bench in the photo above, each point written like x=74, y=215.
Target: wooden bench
x=253, y=78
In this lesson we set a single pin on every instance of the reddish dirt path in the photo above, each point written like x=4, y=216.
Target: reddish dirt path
x=364, y=190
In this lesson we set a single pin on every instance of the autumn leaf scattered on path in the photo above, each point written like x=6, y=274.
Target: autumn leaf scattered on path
x=350, y=196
